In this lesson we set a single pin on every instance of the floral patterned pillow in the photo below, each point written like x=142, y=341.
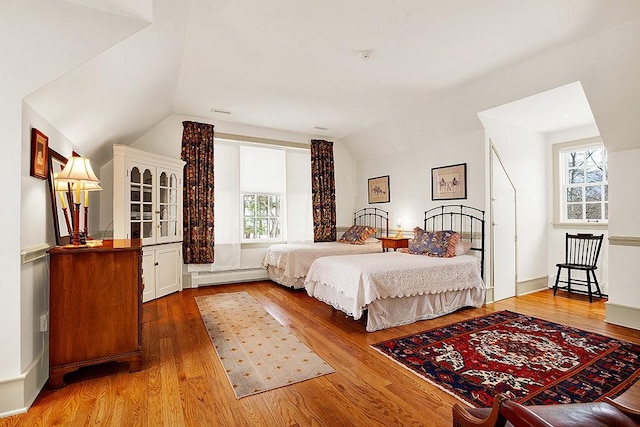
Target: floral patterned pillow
x=438, y=244
x=357, y=234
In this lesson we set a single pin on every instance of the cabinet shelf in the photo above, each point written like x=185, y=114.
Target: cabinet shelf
x=147, y=204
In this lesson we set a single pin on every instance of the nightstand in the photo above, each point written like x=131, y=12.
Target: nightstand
x=394, y=243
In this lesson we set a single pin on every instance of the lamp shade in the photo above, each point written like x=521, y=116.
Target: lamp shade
x=77, y=169
x=88, y=186
x=84, y=185
x=60, y=185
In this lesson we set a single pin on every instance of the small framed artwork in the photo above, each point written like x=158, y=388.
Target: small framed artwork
x=39, y=154
x=379, y=190
x=449, y=182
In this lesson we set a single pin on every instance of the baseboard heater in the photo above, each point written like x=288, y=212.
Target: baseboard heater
x=230, y=276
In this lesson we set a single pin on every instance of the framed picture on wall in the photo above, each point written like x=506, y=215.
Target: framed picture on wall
x=39, y=154
x=379, y=190
x=449, y=182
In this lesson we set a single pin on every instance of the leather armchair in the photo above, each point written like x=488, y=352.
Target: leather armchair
x=508, y=413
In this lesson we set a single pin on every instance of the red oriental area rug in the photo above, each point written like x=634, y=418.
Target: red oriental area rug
x=533, y=361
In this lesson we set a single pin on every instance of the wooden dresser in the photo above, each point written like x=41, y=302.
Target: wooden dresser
x=95, y=307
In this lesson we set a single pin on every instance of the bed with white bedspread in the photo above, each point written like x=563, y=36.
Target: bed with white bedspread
x=400, y=288
x=288, y=263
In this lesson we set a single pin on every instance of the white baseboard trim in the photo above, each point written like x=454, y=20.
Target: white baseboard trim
x=222, y=277
x=622, y=315
x=531, y=286
x=522, y=288
x=18, y=394
x=488, y=297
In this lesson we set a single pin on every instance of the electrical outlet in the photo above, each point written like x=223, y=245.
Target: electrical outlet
x=44, y=324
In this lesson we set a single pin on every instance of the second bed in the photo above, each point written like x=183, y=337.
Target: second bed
x=287, y=263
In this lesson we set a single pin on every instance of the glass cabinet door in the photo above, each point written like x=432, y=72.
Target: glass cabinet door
x=168, y=206
x=141, y=204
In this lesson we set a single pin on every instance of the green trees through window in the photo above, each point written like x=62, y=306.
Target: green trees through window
x=261, y=216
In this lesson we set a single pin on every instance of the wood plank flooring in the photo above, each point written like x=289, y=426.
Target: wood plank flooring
x=182, y=382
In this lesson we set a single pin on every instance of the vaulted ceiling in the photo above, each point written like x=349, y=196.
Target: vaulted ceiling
x=328, y=68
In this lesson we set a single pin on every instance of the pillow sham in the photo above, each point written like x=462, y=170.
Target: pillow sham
x=438, y=244
x=357, y=234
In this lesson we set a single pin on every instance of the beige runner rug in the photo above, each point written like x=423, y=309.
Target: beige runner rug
x=257, y=352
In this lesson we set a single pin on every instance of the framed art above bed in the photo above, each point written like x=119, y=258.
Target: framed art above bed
x=449, y=182
x=378, y=190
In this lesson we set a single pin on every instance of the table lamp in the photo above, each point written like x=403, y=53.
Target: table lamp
x=62, y=189
x=87, y=186
x=399, y=229
x=79, y=174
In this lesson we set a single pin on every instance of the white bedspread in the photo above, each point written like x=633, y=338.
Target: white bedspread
x=294, y=259
x=358, y=280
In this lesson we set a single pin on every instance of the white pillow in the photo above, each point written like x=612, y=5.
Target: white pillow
x=372, y=240
x=462, y=248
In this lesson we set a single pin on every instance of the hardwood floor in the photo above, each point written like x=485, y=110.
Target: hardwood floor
x=182, y=382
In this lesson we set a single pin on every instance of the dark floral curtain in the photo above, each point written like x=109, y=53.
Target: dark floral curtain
x=197, y=151
x=323, y=188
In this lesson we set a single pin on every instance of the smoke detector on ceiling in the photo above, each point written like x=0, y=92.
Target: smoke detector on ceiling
x=365, y=54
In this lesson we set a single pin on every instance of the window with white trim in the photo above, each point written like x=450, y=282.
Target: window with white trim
x=262, y=187
x=261, y=216
x=584, y=181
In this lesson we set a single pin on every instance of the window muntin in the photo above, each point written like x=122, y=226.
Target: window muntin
x=585, y=189
x=261, y=216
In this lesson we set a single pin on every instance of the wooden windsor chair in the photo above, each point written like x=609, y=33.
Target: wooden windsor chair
x=581, y=253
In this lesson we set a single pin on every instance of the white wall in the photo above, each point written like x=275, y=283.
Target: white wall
x=41, y=40
x=409, y=173
x=556, y=232
x=524, y=155
x=36, y=228
x=624, y=205
x=345, y=178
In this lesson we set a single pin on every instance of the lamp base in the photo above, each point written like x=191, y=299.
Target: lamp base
x=72, y=246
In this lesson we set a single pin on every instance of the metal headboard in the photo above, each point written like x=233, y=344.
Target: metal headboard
x=466, y=220
x=373, y=217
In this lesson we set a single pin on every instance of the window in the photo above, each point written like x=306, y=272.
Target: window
x=262, y=187
x=245, y=166
x=261, y=216
x=585, y=189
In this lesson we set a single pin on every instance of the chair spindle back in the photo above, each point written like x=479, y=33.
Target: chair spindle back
x=583, y=249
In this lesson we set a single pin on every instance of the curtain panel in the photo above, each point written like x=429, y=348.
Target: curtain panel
x=198, y=212
x=323, y=190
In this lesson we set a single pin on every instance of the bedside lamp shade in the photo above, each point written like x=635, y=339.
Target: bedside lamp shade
x=77, y=169
x=79, y=173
